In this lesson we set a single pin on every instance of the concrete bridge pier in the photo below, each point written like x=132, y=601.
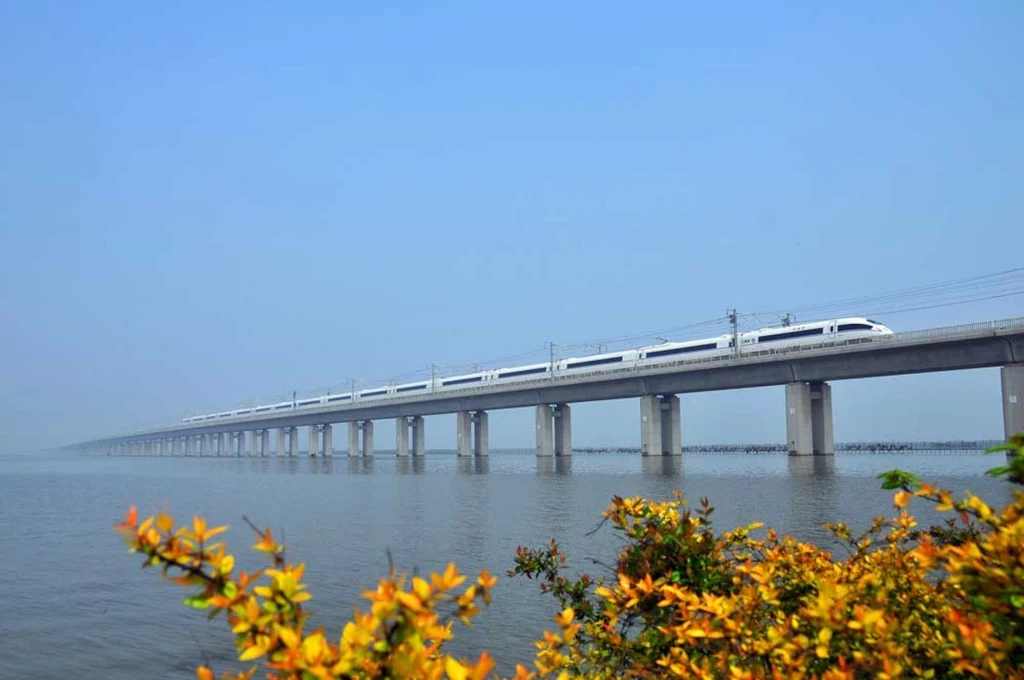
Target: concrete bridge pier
x=401, y=436
x=189, y=444
x=419, y=439
x=562, y=414
x=265, y=443
x=544, y=431
x=661, y=432
x=809, y=419
x=293, y=442
x=463, y=433
x=367, y=428
x=353, y=439
x=328, y=433
x=314, y=441
x=282, y=443
x=1012, y=378
x=481, y=432
x=554, y=430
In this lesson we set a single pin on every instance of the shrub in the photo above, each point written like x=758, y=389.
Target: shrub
x=685, y=601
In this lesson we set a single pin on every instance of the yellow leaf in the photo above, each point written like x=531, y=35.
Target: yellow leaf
x=198, y=525
x=253, y=652
x=455, y=670
x=165, y=523
x=227, y=564
x=421, y=588
x=204, y=673
x=210, y=533
x=289, y=638
x=872, y=617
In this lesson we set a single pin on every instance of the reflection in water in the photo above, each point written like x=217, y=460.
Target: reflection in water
x=821, y=466
x=321, y=466
x=663, y=466
x=476, y=465
x=812, y=497
x=287, y=465
x=259, y=465
x=414, y=464
x=554, y=465
x=360, y=465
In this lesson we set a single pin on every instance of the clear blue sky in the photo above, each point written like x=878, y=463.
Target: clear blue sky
x=206, y=204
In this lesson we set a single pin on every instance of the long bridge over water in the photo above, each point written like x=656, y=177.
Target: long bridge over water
x=806, y=371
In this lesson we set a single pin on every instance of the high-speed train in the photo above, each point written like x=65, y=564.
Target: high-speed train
x=853, y=328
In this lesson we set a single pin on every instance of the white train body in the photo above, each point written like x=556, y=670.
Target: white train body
x=834, y=330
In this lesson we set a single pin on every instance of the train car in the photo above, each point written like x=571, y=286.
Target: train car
x=531, y=372
x=283, y=406
x=676, y=351
x=598, y=362
x=309, y=401
x=334, y=398
x=819, y=331
x=409, y=389
x=468, y=380
x=375, y=393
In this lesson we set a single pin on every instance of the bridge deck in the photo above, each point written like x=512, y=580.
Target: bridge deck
x=979, y=345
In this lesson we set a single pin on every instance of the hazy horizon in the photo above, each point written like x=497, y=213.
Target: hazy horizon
x=203, y=207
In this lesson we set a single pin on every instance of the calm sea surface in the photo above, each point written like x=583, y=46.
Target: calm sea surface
x=73, y=603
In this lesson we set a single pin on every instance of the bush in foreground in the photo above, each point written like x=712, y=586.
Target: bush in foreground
x=684, y=601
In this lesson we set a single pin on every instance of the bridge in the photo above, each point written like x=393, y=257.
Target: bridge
x=806, y=371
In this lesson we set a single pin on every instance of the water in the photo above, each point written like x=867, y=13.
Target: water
x=75, y=604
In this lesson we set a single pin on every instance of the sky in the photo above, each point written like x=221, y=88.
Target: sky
x=203, y=206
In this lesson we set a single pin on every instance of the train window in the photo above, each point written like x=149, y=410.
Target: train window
x=410, y=388
x=681, y=350
x=790, y=335
x=595, y=362
x=461, y=381
x=854, y=327
x=339, y=397
x=528, y=371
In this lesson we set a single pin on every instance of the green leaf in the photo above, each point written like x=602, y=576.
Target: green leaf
x=899, y=479
x=196, y=602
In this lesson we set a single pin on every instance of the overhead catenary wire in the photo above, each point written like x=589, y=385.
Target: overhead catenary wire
x=978, y=288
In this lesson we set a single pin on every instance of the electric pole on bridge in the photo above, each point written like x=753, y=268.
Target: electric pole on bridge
x=734, y=319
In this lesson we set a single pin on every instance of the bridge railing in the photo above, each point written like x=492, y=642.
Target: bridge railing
x=961, y=330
